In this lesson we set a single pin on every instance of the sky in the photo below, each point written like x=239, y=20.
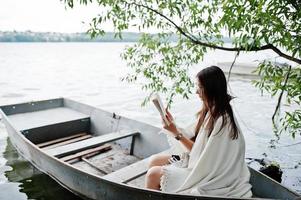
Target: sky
x=46, y=16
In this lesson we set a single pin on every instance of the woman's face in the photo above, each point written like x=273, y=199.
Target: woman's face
x=199, y=90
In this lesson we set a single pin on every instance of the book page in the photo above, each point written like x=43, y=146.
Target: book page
x=156, y=99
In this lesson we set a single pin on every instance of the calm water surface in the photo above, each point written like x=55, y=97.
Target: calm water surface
x=90, y=73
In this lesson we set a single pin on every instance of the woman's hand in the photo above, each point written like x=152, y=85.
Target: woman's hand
x=171, y=127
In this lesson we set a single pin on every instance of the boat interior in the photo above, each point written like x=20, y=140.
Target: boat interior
x=66, y=133
x=101, y=143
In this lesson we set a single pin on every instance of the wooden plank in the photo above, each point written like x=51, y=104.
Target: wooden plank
x=44, y=144
x=84, y=137
x=87, y=152
x=89, y=143
x=131, y=172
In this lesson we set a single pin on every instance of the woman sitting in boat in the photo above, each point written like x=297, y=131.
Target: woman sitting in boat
x=214, y=160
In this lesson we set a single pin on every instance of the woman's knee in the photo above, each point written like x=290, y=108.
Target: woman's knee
x=158, y=160
x=153, y=161
x=154, y=173
x=153, y=177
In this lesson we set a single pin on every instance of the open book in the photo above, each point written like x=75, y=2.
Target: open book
x=159, y=105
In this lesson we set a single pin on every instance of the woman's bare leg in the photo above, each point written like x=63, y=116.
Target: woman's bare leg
x=153, y=178
x=155, y=171
x=159, y=160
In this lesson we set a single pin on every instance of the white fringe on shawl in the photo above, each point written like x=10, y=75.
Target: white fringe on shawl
x=216, y=165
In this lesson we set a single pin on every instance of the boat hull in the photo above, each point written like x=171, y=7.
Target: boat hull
x=94, y=187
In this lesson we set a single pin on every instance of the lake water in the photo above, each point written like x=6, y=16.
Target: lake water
x=90, y=73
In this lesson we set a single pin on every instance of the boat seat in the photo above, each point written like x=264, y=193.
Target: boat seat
x=61, y=151
x=45, y=125
x=133, y=171
x=42, y=118
x=64, y=141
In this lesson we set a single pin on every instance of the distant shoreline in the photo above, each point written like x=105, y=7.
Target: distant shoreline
x=29, y=36
x=69, y=42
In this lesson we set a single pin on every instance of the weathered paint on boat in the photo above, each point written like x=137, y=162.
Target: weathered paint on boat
x=95, y=187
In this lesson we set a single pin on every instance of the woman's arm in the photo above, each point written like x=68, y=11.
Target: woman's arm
x=188, y=143
x=178, y=135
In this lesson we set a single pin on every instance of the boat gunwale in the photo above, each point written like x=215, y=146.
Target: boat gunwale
x=122, y=185
x=30, y=102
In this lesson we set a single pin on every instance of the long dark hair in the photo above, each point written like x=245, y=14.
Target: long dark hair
x=216, y=101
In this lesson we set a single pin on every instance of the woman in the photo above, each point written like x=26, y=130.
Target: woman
x=214, y=161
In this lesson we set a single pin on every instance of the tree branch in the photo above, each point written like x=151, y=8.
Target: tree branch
x=281, y=94
x=230, y=70
x=198, y=42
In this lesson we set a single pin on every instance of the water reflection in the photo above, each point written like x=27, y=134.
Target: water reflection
x=29, y=180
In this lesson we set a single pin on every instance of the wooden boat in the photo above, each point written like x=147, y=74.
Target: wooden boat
x=97, y=154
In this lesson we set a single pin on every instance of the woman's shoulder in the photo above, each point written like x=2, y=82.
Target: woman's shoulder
x=222, y=121
x=223, y=125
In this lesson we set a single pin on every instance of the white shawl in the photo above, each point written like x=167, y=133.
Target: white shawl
x=216, y=166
